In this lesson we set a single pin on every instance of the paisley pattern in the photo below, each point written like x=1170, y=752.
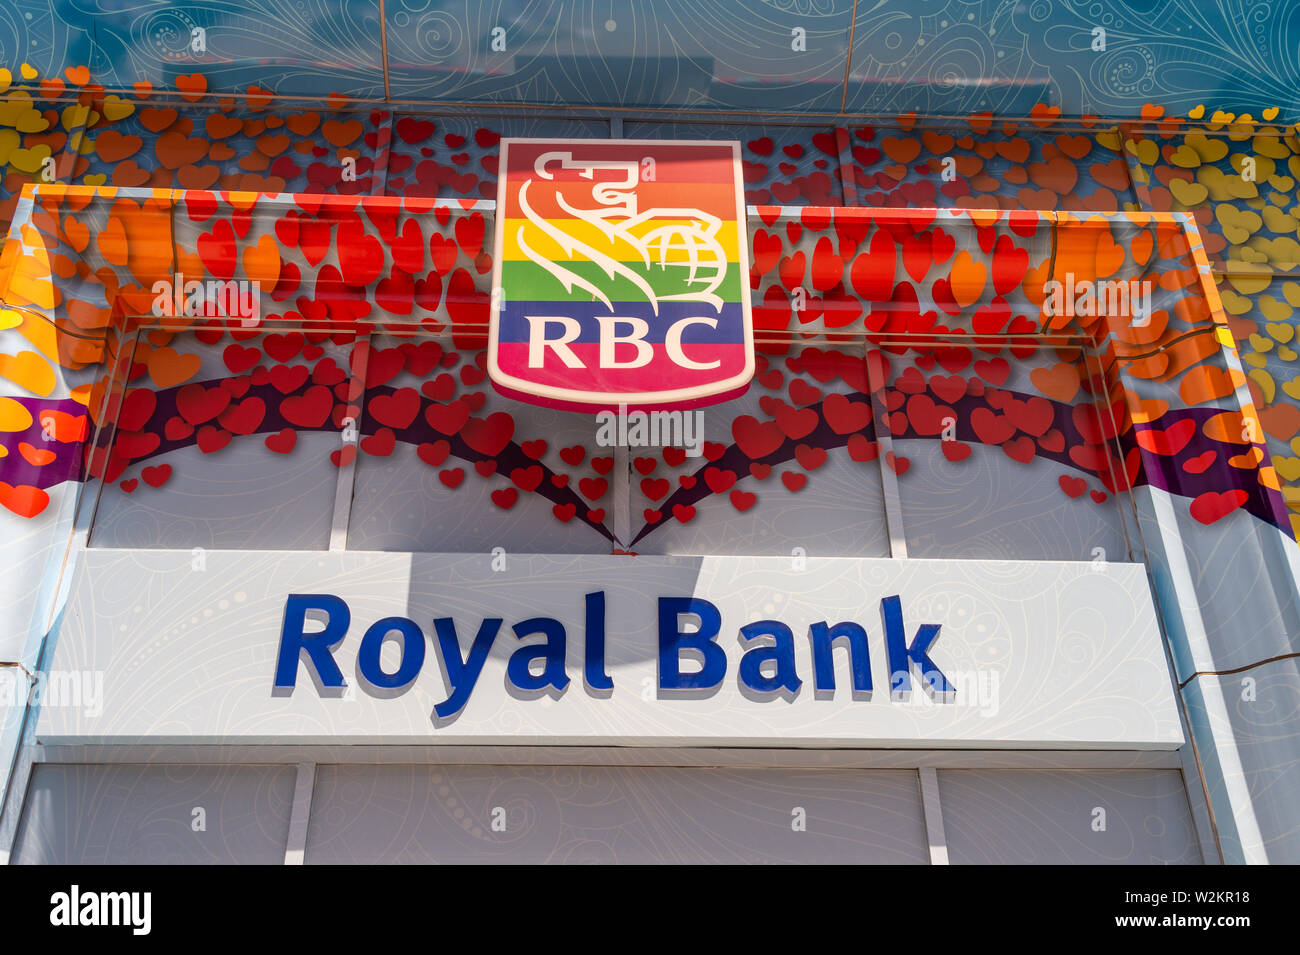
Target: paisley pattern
x=937, y=57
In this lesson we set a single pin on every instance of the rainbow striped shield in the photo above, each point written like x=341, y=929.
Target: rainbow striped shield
x=621, y=275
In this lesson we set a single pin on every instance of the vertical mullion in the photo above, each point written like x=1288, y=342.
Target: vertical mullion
x=112, y=407
x=379, y=171
x=622, y=480
x=933, y=809
x=296, y=845
x=885, y=441
x=347, y=473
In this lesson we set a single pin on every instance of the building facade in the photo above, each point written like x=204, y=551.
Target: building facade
x=990, y=557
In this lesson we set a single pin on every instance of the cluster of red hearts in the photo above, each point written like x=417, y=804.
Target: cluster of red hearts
x=815, y=402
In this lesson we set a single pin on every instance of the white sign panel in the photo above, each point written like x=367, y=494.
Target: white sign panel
x=259, y=647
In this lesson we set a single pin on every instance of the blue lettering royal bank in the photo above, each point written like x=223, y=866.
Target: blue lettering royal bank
x=688, y=628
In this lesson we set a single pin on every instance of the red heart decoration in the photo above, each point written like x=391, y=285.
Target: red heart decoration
x=896, y=464
x=177, y=429
x=990, y=427
x=655, y=488
x=955, y=451
x=283, y=441
x=433, y=454
x=1169, y=441
x=948, y=388
x=593, y=489
x=1021, y=449
x=742, y=500
x=286, y=378
x=718, y=479
x=1215, y=505
x=244, y=417
x=198, y=404
x=156, y=476
x=489, y=435
x=448, y=418
x=380, y=444
x=239, y=359
x=396, y=410
x=861, y=449
x=212, y=439
x=311, y=409
x=527, y=479
x=810, y=458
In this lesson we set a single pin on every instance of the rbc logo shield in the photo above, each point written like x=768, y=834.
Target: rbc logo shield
x=620, y=274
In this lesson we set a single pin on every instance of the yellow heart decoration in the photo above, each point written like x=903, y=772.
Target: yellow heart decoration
x=30, y=160
x=1286, y=354
x=28, y=370
x=9, y=141
x=73, y=116
x=1247, y=255
x=116, y=108
x=1226, y=185
x=96, y=179
x=14, y=415
x=1209, y=150
x=1265, y=381
x=1289, y=468
x=1146, y=151
x=28, y=71
x=22, y=117
x=1272, y=146
x=1292, y=388
x=1196, y=112
x=1235, y=304
x=1282, y=253
x=1238, y=224
x=5, y=79
x=1260, y=343
x=1109, y=139
x=1186, y=157
x=1269, y=114
x=1280, y=331
x=1188, y=193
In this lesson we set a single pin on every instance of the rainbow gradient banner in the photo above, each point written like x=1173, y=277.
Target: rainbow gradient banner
x=620, y=275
